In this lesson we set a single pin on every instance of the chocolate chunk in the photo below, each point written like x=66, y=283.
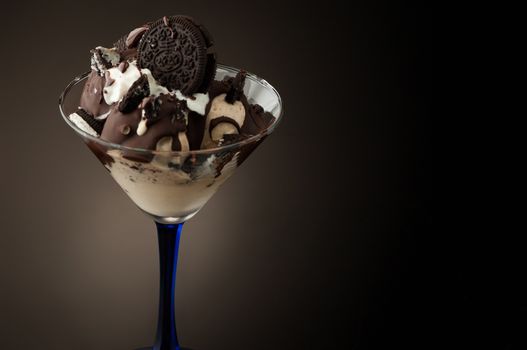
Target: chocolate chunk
x=178, y=54
x=165, y=106
x=137, y=92
x=96, y=125
x=218, y=87
x=236, y=90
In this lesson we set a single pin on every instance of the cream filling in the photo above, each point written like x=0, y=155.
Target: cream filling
x=81, y=124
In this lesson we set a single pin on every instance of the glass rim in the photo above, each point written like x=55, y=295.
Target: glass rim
x=230, y=146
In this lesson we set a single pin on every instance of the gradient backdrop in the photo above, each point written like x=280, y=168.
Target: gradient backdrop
x=319, y=241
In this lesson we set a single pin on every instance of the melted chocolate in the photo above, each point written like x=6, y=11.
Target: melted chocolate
x=117, y=122
x=164, y=117
x=161, y=128
x=195, y=130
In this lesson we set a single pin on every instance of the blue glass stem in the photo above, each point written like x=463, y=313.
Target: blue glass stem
x=168, y=236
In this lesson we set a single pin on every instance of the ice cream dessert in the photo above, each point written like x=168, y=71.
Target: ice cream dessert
x=155, y=90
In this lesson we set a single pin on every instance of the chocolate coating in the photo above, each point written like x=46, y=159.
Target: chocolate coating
x=92, y=99
x=117, y=122
x=161, y=128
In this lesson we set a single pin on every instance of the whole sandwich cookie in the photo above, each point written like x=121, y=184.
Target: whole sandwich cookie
x=179, y=53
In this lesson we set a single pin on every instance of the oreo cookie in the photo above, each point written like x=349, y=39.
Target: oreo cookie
x=179, y=53
x=137, y=92
x=95, y=124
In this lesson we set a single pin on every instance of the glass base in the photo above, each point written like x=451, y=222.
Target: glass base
x=171, y=220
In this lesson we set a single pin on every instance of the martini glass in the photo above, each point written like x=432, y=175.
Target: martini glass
x=171, y=187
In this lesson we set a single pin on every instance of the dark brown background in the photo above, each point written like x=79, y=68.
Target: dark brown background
x=323, y=239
